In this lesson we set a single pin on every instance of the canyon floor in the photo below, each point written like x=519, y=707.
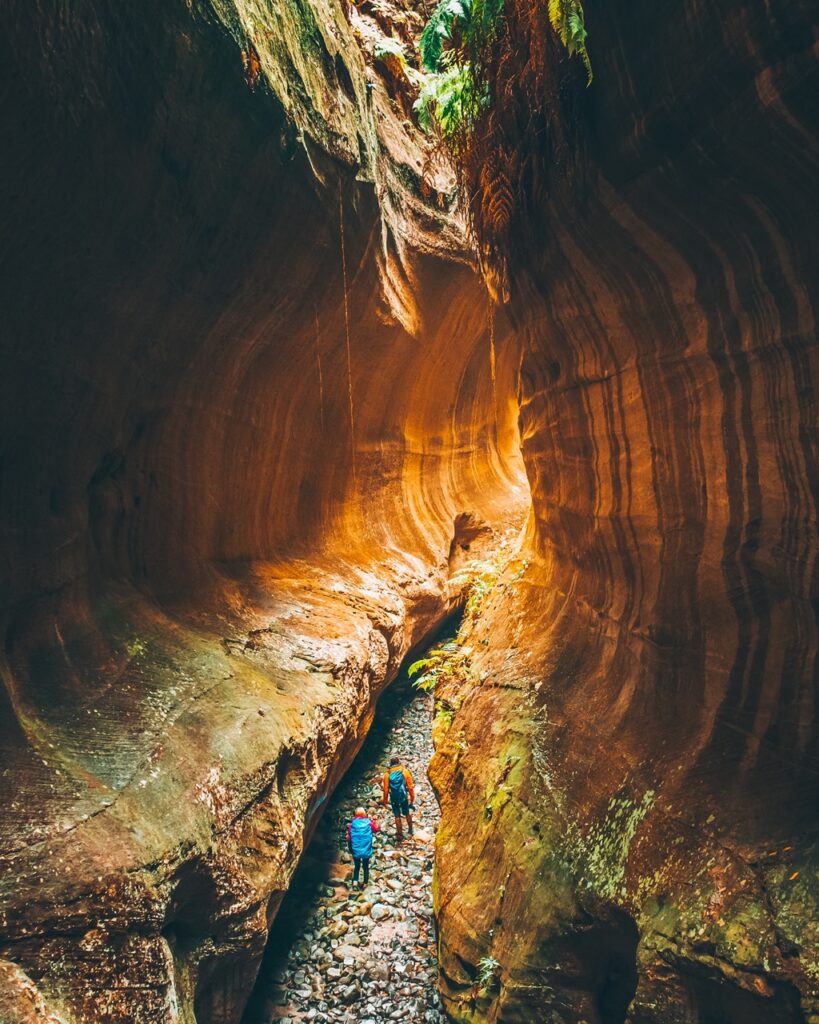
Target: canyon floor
x=342, y=954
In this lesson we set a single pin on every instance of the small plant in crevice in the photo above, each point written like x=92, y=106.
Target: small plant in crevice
x=446, y=709
x=444, y=716
x=478, y=591
x=488, y=968
x=451, y=660
x=448, y=661
x=478, y=577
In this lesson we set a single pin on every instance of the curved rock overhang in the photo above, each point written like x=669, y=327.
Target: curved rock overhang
x=233, y=457
x=244, y=402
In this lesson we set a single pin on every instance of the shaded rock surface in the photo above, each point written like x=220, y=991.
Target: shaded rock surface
x=225, y=518
x=249, y=427
x=651, y=676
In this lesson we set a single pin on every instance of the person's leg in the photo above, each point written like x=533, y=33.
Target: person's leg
x=366, y=863
x=356, y=866
x=399, y=825
x=404, y=811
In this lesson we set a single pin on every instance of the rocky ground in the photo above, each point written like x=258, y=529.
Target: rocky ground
x=343, y=954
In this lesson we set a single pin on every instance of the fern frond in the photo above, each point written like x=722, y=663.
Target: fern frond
x=567, y=19
x=584, y=56
x=439, y=29
x=485, y=17
x=388, y=46
x=416, y=666
x=426, y=682
x=451, y=99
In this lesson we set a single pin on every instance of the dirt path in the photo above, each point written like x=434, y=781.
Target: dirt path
x=337, y=954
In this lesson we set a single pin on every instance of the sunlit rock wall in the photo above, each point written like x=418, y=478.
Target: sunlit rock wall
x=629, y=801
x=239, y=416
x=233, y=450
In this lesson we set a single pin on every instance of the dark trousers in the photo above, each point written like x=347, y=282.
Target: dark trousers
x=359, y=862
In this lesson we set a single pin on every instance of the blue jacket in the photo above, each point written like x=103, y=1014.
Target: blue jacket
x=360, y=836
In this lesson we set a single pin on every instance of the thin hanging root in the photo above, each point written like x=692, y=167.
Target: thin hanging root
x=347, y=329
x=318, y=364
x=492, y=362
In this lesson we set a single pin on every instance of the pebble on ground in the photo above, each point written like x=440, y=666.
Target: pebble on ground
x=340, y=954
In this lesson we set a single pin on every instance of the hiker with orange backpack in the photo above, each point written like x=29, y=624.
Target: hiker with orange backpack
x=399, y=793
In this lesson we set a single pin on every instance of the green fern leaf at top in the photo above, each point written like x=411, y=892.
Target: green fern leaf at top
x=576, y=32
x=567, y=19
x=577, y=40
x=453, y=47
x=554, y=14
x=439, y=29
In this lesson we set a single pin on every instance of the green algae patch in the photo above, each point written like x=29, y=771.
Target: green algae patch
x=600, y=856
x=743, y=934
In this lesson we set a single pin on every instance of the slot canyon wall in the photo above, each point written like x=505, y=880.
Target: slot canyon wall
x=232, y=459
x=629, y=800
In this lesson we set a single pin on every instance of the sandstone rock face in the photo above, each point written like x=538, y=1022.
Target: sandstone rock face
x=234, y=448
x=249, y=425
x=629, y=824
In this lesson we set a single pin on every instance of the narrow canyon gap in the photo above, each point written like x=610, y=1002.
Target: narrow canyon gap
x=275, y=368
x=350, y=949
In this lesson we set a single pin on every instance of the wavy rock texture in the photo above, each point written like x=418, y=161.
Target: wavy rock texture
x=235, y=443
x=629, y=799
x=247, y=404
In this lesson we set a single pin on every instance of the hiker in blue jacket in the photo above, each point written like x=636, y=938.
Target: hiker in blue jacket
x=360, y=832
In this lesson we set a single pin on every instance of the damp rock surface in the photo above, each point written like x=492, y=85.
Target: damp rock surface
x=224, y=514
x=340, y=953
x=255, y=408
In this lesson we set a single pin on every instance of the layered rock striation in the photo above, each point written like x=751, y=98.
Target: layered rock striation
x=629, y=799
x=241, y=413
x=255, y=406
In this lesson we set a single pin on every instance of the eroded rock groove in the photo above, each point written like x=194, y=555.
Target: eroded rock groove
x=240, y=476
